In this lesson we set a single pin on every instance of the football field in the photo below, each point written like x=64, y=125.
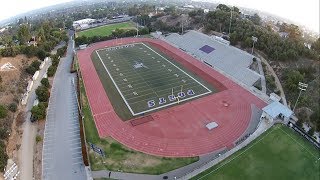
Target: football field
x=146, y=80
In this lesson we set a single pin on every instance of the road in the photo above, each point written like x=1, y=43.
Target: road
x=62, y=156
x=29, y=132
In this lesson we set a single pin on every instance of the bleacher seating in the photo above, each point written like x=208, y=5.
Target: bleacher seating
x=229, y=59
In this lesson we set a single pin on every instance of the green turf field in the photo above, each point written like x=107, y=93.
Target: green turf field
x=105, y=30
x=280, y=153
x=146, y=80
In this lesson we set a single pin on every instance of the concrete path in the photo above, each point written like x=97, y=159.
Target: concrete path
x=170, y=175
x=261, y=129
x=263, y=79
x=30, y=131
x=62, y=156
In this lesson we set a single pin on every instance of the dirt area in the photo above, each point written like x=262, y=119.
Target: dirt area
x=15, y=81
x=13, y=85
x=37, y=158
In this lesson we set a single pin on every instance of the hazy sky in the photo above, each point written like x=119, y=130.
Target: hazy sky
x=305, y=12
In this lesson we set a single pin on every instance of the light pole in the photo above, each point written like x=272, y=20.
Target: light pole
x=230, y=21
x=254, y=40
x=302, y=87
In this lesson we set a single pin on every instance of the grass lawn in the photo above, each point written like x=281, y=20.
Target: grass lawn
x=119, y=157
x=280, y=153
x=105, y=30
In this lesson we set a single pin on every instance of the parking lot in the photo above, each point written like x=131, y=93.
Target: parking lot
x=62, y=156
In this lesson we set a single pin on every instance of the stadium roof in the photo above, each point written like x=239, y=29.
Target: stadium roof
x=83, y=21
x=276, y=108
x=229, y=59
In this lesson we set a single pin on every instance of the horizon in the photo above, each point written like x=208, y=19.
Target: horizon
x=309, y=16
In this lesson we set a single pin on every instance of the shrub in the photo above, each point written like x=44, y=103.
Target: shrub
x=51, y=71
x=13, y=107
x=45, y=82
x=39, y=111
x=3, y=112
x=43, y=93
x=38, y=138
x=33, y=67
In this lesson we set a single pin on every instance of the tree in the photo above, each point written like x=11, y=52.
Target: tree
x=24, y=34
x=315, y=119
x=255, y=19
x=45, y=82
x=33, y=67
x=316, y=46
x=42, y=93
x=247, y=42
x=41, y=54
x=223, y=7
x=311, y=131
x=51, y=71
x=41, y=35
x=3, y=112
x=292, y=78
x=39, y=111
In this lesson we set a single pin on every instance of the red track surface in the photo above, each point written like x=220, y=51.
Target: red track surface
x=178, y=131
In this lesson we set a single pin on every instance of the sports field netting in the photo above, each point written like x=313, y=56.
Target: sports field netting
x=146, y=80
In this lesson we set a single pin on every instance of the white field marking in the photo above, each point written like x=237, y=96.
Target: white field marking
x=178, y=68
x=149, y=110
x=167, y=89
x=166, y=95
x=299, y=143
x=166, y=75
x=227, y=162
x=115, y=85
x=174, y=79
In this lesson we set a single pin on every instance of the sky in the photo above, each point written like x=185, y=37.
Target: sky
x=305, y=12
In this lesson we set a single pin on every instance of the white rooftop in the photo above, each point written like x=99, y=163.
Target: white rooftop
x=212, y=125
x=276, y=108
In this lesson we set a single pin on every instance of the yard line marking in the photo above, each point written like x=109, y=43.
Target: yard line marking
x=177, y=67
x=115, y=84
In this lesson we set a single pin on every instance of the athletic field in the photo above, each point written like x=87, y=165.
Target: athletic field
x=105, y=30
x=280, y=153
x=145, y=79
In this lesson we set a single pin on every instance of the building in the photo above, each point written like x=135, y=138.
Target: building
x=276, y=110
x=82, y=22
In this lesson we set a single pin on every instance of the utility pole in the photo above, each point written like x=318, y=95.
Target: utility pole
x=302, y=87
x=254, y=40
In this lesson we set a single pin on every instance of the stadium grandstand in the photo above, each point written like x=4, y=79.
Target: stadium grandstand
x=217, y=54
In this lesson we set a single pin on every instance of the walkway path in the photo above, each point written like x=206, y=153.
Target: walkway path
x=29, y=132
x=277, y=81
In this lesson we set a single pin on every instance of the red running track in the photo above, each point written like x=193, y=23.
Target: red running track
x=178, y=131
